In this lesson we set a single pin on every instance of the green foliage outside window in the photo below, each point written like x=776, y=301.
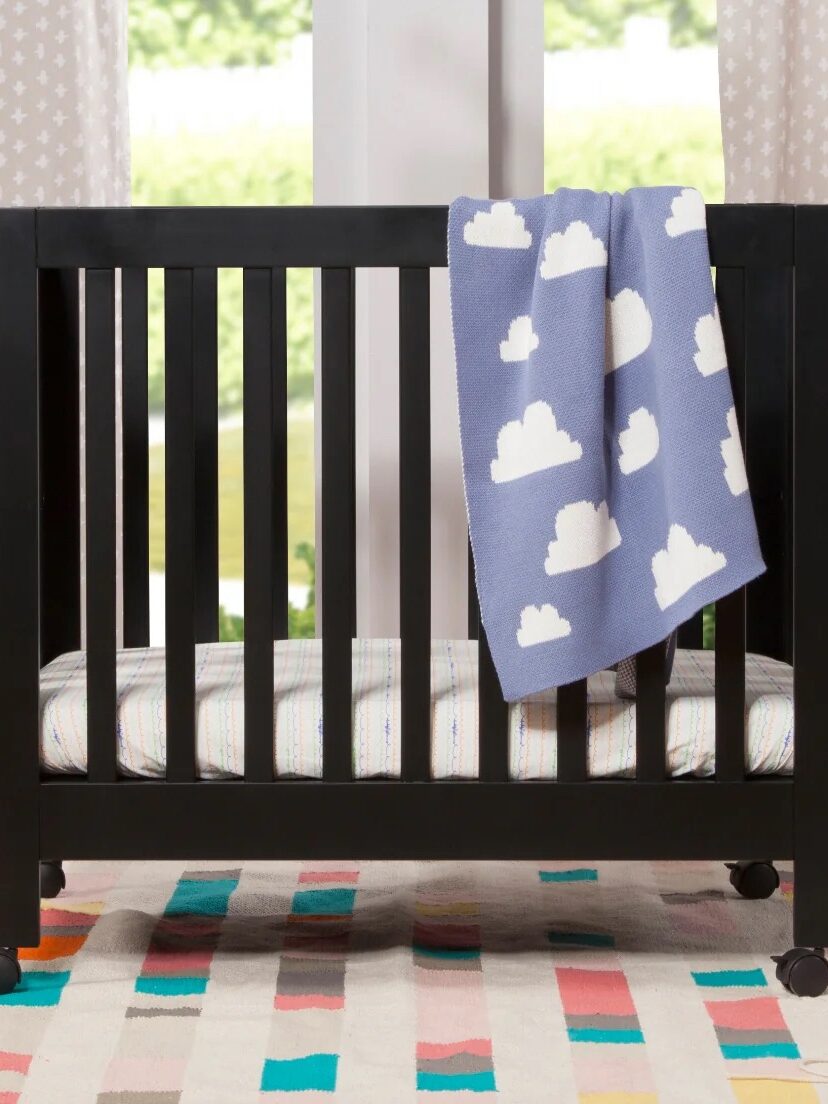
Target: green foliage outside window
x=174, y=33
x=576, y=24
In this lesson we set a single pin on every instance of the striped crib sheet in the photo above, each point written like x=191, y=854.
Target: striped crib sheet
x=297, y=692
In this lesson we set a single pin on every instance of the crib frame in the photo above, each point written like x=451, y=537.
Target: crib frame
x=772, y=289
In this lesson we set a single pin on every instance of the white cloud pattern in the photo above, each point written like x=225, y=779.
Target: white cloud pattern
x=499, y=228
x=681, y=565
x=688, y=213
x=522, y=340
x=539, y=625
x=710, y=355
x=639, y=442
x=573, y=250
x=629, y=328
x=532, y=445
x=734, y=461
x=585, y=534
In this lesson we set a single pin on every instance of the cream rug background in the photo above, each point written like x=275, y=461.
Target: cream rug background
x=173, y=983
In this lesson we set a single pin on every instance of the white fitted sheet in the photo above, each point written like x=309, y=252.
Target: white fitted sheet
x=141, y=714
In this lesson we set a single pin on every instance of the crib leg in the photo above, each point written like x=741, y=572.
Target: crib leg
x=52, y=877
x=9, y=970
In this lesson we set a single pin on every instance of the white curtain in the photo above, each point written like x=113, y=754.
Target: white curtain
x=773, y=86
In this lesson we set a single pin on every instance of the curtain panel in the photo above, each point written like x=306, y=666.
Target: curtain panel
x=773, y=86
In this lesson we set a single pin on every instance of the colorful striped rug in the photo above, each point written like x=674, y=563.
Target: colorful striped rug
x=195, y=983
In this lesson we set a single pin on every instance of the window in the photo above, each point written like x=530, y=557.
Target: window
x=631, y=95
x=220, y=114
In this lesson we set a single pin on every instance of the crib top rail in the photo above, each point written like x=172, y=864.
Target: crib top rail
x=353, y=237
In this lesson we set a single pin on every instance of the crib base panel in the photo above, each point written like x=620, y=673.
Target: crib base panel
x=432, y=820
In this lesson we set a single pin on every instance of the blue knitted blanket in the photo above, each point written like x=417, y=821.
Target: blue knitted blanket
x=605, y=483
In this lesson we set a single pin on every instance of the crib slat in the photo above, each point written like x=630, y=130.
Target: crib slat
x=135, y=458
x=730, y=687
x=58, y=343
x=572, y=732
x=337, y=567
x=260, y=466
x=474, y=613
x=730, y=611
x=650, y=744
x=415, y=523
x=768, y=319
x=691, y=633
x=205, y=382
x=180, y=524
x=100, y=523
x=493, y=712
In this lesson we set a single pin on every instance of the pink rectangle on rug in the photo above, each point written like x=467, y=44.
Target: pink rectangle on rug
x=14, y=1063
x=442, y=1020
x=347, y=877
x=151, y=1074
x=753, y=1013
x=480, y=1047
x=176, y=962
x=61, y=918
x=599, y=1068
x=291, y=1003
x=591, y=992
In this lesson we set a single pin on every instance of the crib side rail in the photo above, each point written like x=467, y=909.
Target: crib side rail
x=753, y=251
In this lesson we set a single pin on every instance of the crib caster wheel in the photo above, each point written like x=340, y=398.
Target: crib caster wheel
x=52, y=878
x=10, y=974
x=754, y=880
x=803, y=972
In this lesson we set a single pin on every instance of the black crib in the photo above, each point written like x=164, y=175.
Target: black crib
x=773, y=295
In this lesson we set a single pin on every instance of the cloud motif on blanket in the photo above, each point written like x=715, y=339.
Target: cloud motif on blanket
x=539, y=625
x=532, y=445
x=688, y=213
x=629, y=328
x=639, y=442
x=681, y=565
x=734, y=460
x=710, y=355
x=499, y=228
x=585, y=534
x=573, y=250
x=522, y=340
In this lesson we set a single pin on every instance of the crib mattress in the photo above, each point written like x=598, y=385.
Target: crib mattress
x=297, y=692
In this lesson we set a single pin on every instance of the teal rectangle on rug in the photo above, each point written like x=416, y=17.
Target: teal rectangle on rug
x=171, y=986
x=446, y=952
x=581, y=874
x=603, y=1035
x=323, y=902
x=722, y=979
x=38, y=989
x=580, y=939
x=315, y=1071
x=759, y=1050
x=201, y=898
x=483, y=1081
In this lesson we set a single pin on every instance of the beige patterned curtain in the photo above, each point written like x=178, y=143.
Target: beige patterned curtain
x=64, y=134
x=773, y=86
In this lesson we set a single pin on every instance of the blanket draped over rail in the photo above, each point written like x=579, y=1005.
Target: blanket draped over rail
x=605, y=482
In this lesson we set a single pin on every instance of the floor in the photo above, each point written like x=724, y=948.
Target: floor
x=171, y=983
